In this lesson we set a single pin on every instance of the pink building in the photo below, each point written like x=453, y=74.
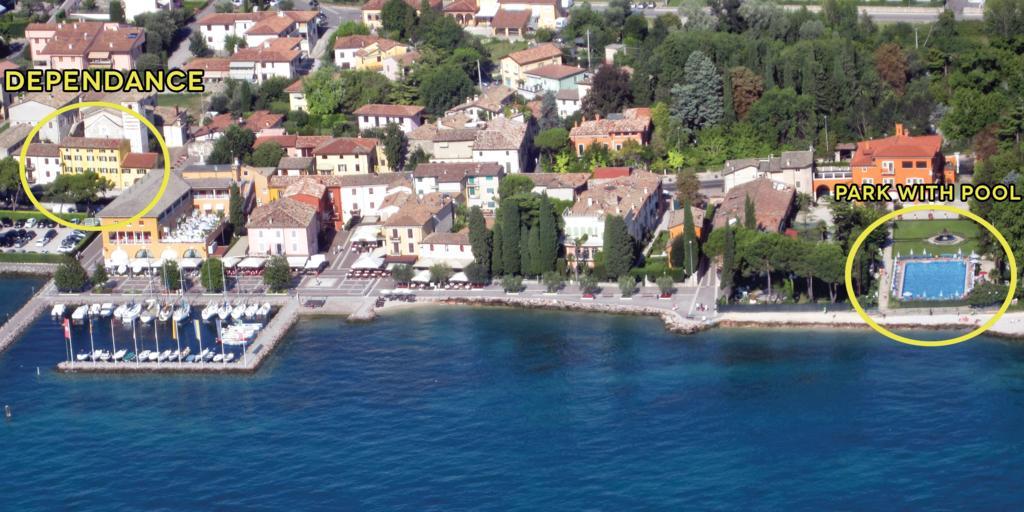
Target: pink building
x=85, y=44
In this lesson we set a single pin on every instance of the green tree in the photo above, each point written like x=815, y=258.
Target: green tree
x=691, y=243
x=70, y=276
x=269, y=154
x=627, y=285
x=687, y=187
x=398, y=19
x=665, y=285
x=514, y=184
x=970, y=111
x=403, y=274
x=829, y=261
x=677, y=252
x=149, y=62
x=728, y=262
x=526, y=250
x=588, y=284
x=986, y=294
x=440, y=273
x=551, y=141
x=497, y=249
x=443, y=87
x=510, y=236
x=323, y=92
x=197, y=45
x=548, y=112
x=99, y=276
x=553, y=281
x=618, y=247
x=235, y=215
x=480, y=238
x=211, y=275
x=610, y=92
x=276, y=275
x=512, y=284
x=547, y=237
x=1004, y=18
x=233, y=42
x=396, y=146
x=477, y=273
x=697, y=102
x=749, y=213
x=747, y=88
x=116, y=11
x=348, y=28
x=78, y=188
x=170, y=274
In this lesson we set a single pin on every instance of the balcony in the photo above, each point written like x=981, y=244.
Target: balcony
x=833, y=172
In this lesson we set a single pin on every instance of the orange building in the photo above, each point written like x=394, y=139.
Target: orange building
x=632, y=124
x=900, y=159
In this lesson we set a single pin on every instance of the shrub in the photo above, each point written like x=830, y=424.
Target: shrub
x=588, y=284
x=512, y=284
x=665, y=285
x=627, y=285
x=553, y=281
x=70, y=276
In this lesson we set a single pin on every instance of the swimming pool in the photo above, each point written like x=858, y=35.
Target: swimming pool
x=934, y=280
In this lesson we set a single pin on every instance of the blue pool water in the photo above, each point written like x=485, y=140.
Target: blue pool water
x=484, y=409
x=932, y=280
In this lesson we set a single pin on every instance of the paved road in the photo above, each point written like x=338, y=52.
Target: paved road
x=181, y=54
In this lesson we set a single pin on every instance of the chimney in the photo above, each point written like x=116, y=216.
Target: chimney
x=590, y=201
x=899, y=130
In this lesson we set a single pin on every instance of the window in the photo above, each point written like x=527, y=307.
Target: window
x=888, y=167
x=410, y=232
x=867, y=181
x=371, y=204
x=394, y=234
x=888, y=181
x=921, y=164
x=411, y=248
x=906, y=164
x=394, y=248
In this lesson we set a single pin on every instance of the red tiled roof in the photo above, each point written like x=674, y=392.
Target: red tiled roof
x=91, y=143
x=556, y=71
x=140, y=160
x=461, y=6
x=772, y=203
x=295, y=87
x=505, y=18
x=294, y=141
x=5, y=65
x=536, y=54
x=607, y=173
x=354, y=41
x=210, y=64
x=347, y=146
x=43, y=149
x=899, y=145
x=85, y=37
x=376, y=109
x=262, y=119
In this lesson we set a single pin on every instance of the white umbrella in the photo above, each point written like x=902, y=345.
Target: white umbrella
x=422, y=276
x=297, y=261
x=368, y=262
x=459, y=277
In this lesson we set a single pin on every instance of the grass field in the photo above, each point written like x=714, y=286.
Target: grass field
x=29, y=214
x=500, y=48
x=191, y=102
x=912, y=235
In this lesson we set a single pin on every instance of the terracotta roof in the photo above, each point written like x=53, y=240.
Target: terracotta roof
x=617, y=196
x=500, y=133
x=5, y=65
x=493, y=98
x=418, y=211
x=90, y=37
x=568, y=95
x=627, y=122
x=283, y=213
x=536, y=54
x=271, y=26
x=456, y=172
x=229, y=18
x=140, y=160
x=306, y=187
x=91, y=143
x=557, y=179
x=677, y=217
x=259, y=120
x=900, y=145
x=55, y=99
x=462, y=6
x=455, y=135
x=295, y=87
x=265, y=53
x=43, y=149
x=447, y=238
x=506, y=19
x=376, y=109
x=220, y=64
x=293, y=141
x=354, y=41
x=607, y=173
x=295, y=162
x=772, y=203
x=392, y=179
x=347, y=146
x=556, y=71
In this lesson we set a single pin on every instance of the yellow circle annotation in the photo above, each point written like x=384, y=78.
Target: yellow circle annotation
x=937, y=343
x=103, y=104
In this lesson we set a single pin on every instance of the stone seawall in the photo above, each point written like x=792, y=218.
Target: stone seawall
x=39, y=269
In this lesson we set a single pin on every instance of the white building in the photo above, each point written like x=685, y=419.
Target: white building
x=452, y=249
x=258, y=27
x=792, y=168
x=504, y=142
x=284, y=227
x=374, y=115
x=42, y=163
x=557, y=185
x=365, y=195
x=133, y=8
x=108, y=123
x=29, y=109
x=477, y=183
x=277, y=58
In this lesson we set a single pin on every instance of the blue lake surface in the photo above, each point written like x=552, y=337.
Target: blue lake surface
x=491, y=409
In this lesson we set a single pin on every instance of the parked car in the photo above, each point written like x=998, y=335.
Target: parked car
x=6, y=222
x=20, y=223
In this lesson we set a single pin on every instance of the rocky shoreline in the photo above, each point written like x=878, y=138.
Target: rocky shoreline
x=36, y=269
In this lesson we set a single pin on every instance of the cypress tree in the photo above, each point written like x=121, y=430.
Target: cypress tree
x=547, y=236
x=497, y=259
x=677, y=256
x=480, y=238
x=535, y=262
x=749, y=217
x=727, y=104
x=618, y=247
x=525, y=251
x=690, y=240
x=510, y=237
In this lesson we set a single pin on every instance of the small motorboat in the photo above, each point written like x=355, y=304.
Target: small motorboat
x=264, y=310
x=106, y=309
x=119, y=311
x=96, y=354
x=251, y=310
x=209, y=356
x=148, y=312
x=238, y=312
x=165, y=355
x=119, y=355
x=182, y=312
x=94, y=310
x=175, y=356
x=80, y=313
x=82, y=356
x=130, y=356
x=209, y=311
x=144, y=356
x=154, y=356
x=225, y=311
x=230, y=356
x=131, y=313
x=218, y=358
x=104, y=355
x=58, y=310
x=165, y=312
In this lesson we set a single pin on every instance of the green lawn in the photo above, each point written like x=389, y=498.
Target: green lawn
x=29, y=214
x=500, y=48
x=191, y=102
x=912, y=235
x=30, y=257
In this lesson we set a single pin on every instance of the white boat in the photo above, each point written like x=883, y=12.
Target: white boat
x=154, y=356
x=106, y=309
x=218, y=358
x=131, y=313
x=58, y=310
x=230, y=356
x=175, y=355
x=182, y=311
x=202, y=355
x=185, y=352
x=264, y=309
x=119, y=355
x=82, y=356
x=95, y=356
x=238, y=312
x=209, y=356
x=210, y=310
x=251, y=310
x=104, y=355
x=225, y=311
x=94, y=310
x=165, y=355
x=119, y=311
x=143, y=356
x=165, y=312
x=80, y=313
x=148, y=312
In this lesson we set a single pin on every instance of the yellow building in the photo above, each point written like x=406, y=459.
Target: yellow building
x=350, y=155
x=102, y=156
x=172, y=230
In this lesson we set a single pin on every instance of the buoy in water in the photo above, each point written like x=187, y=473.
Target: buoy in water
x=7, y=411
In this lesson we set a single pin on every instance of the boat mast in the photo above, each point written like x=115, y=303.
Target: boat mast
x=199, y=336
x=220, y=339
x=113, y=341
x=135, y=337
x=92, y=344
x=177, y=337
x=156, y=333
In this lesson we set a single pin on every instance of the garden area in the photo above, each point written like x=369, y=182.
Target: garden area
x=913, y=235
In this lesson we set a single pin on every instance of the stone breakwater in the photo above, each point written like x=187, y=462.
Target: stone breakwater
x=39, y=269
x=674, y=322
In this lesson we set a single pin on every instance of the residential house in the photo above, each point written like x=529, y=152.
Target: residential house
x=773, y=205
x=350, y=155
x=613, y=131
x=542, y=13
x=286, y=227
x=792, y=168
x=345, y=49
x=173, y=123
x=297, y=96
x=462, y=11
x=108, y=123
x=258, y=27
x=211, y=195
x=453, y=145
x=354, y=196
x=511, y=24
x=6, y=98
x=30, y=108
x=262, y=122
x=84, y=45
x=551, y=78
x=476, y=183
x=42, y=163
x=397, y=67
x=569, y=101
x=295, y=145
x=296, y=166
x=135, y=166
x=445, y=248
x=557, y=185
x=515, y=65
x=637, y=198
x=489, y=103
x=215, y=69
x=414, y=221
x=375, y=115
x=505, y=142
x=677, y=225
x=366, y=52
x=134, y=8
x=161, y=232
x=371, y=10
x=13, y=139
x=274, y=58
x=102, y=156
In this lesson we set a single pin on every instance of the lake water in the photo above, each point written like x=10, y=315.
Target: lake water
x=490, y=409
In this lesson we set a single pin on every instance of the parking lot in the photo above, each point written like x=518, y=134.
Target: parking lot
x=38, y=236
